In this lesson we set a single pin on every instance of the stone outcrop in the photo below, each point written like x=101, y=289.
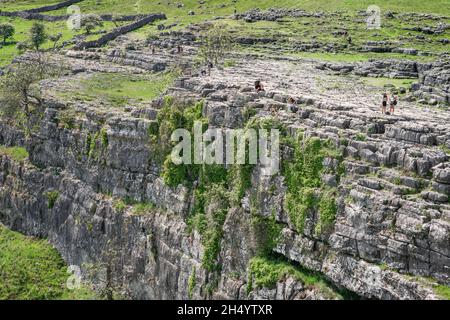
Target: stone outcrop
x=274, y=14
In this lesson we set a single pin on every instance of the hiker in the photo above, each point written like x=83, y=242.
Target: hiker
x=210, y=66
x=384, y=103
x=273, y=111
x=259, y=86
x=393, y=104
x=292, y=105
x=179, y=49
x=349, y=39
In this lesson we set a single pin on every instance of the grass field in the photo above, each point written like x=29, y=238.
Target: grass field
x=22, y=26
x=289, y=30
x=17, y=5
x=214, y=7
x=32, y=269
x=119, y=90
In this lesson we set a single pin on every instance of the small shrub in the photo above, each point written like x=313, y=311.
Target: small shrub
x=119, y=205
x=16, y=153
x=192, y=282
x=104, y=137
x=267, y=232
x=67, y=119
x=143, y=208
x=229, y=63
x=327, y=211
x=361, y=137
x=52, y=196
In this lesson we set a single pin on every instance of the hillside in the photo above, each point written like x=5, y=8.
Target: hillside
x=359, y=207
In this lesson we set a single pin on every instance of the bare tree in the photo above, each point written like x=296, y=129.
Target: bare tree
x=216, y=44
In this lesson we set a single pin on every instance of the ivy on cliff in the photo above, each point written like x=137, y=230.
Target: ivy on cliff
x=216, y=188
x=174, y=116
x=306, y=191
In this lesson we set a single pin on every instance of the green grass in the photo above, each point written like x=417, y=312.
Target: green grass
x=143, y=208
x=445, y=149
x=214, y=7
x=442, y=291
x=17, y=5
x=289, y=30
x=293, y=30
x=33, y=269
x=266, y=272
x=119, y=205
x=22, y=26
x=119, y=90
x=16, y=153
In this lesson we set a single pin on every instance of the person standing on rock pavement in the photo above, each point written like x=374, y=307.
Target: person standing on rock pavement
x=210, y=66
x=259, y=86
x=393, y=104
x=292, y=105
x=384, y=103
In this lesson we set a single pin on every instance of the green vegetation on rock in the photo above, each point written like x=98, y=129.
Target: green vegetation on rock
x=142, y=208
x=192, y=282
x=306, y=191
x=16, y=153
x=265, y=272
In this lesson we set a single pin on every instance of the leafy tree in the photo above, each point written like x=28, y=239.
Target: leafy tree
x=38, y=35
x=216, y=45
x=19, y=96
x=7, y=30
x=91, y=21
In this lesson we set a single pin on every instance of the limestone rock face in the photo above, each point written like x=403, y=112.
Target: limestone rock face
x=391, y=231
